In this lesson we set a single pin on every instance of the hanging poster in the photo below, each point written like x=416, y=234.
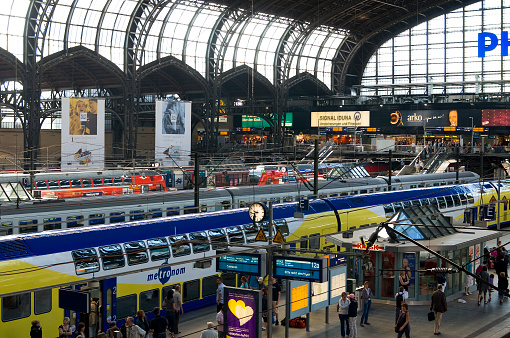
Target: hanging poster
x=242, y=310
x=173, y=133
x=82, y=135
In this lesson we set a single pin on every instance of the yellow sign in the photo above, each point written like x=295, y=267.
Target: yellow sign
x=493, y=199
x=278, y=238
x=261, y=237
x=299, y=297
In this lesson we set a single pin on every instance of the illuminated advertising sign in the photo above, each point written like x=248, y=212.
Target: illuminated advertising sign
x=340, y=118
x=242, y=313
x=258, y=122
x=495, y=117
x=493, y=43
x=427, y=118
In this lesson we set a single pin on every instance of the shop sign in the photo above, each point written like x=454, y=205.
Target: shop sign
x=361, y=246
x=340, y=119
x=424, y=118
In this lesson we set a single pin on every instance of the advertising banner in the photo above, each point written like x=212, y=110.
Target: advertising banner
x=82, y=135
x=173, y=133
x=427, y=118
x=495, y=117
x=243, y=313
x=340, y=118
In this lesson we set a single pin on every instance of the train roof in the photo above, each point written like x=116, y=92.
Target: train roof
x=427, y=177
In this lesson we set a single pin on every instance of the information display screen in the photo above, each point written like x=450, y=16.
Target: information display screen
x=247, y=263
x=301, y=268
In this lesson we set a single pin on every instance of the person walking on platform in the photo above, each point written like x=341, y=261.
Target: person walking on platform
x=170, y=311
x=399, y=300
x=277, y=291
x=64, y=330
x=483, y=287
x=209, y=333
x=439, y=306
x=353, y=316
x=367, y=301
x=220, y=291
x=178, y=305
x=502, y=285
x=36, y=329
x=402, y=326
x=159, y=325
x=343, y=314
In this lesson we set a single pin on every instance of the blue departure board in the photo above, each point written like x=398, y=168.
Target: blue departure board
x=301, y=268
x=246, y=263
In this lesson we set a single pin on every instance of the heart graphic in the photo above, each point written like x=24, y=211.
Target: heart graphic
x=240, y=310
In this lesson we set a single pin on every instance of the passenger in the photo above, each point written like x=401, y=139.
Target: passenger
x=158, y=325
x=367, y=301
x=264, y=308
x=220, y=291
x=491, y=282
x=469, y=278
x=178, y=305
x=439, y=306
x=110, y=333
x=343, y=314
x=353, y=315
x=403, y=322
x=277, y=291
x=130, y=330
x=399, y=300
x=220, y=318
x=502, y=285
x=64, y=330
x=102, y=335
x=261, y=284
x=403, y=280
x=170, y=310
x=244, y=282
x=80, y=330
x=36, y=329
x=143, y=322
x=209, y=333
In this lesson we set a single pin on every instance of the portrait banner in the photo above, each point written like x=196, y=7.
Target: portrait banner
x=173, y=133
x=82, y=134
x=243, y=313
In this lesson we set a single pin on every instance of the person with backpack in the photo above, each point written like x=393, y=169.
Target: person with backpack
x=353, y=316
x=399, y=299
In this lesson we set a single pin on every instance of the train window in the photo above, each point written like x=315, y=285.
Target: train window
x=344, y=194
x=190, y=209
x=303, y=244
x=406, y=204
x=397, y=206
x=164, y=292
x=74, y=221
x=191, y=290
x=421, y=185
x=155, y=213
x=449, y=201
x=416, y=202
x=242, y=204
x=456, y=200
x=229, y=279
x=441, y=202
x=117, y=217
x=53, y=184
x=27, y=230
x=75, y=184
x=199, y=241
x=15, y=307
x=425, y=201
x=282, y=226
x=98, y=182
x=112, y=257
x=363, y=192
x=64, y=184
x=209, y=286
x=433, y=201
x=158, y=248
x=250, y=231
x=180, y=246
x=52, y=223
x=217, y=237
x=436, y=184
x=128, y=180
x=6, y=229
x=41, y=185
x=235, y=234
x=108, y=182
x=96, y=219
x=117, y=181
x=333, y=195
x=226, y=205
x=463, y=199
x=172, y=211
x=203, y=208
x=126, y=306
x=42, y=302
x=314, y=241
x=85, y=261
x=471, y=200
x=136, y=252
x=413, y=186
x=87, y=183
x=136, y=215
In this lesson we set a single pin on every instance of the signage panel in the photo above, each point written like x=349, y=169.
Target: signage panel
x=340, y=119
x=427, y=118
x=495, y=117
x=258, y=122
x=242, y=313
x=301, y=268
x=247, y=263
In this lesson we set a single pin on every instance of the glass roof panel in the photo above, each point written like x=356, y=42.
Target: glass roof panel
x=12, y=25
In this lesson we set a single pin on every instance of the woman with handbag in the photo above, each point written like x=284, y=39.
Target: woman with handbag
x=402, y=325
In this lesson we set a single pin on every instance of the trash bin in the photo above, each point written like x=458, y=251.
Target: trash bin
x=359, y=293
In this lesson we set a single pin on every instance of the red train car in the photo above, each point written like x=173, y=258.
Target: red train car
x=108, y=182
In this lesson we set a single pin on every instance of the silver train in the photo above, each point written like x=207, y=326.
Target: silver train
x=42, y=215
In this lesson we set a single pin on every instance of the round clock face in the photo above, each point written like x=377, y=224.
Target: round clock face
x=257, y=212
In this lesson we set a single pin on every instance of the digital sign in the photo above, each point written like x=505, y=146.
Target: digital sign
x=246, y=263
x=301, y=268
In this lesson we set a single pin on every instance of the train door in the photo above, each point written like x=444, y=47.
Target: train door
x=108, y=311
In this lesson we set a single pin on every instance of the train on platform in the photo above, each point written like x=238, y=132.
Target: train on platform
x=43, y=215
x=130, y=266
